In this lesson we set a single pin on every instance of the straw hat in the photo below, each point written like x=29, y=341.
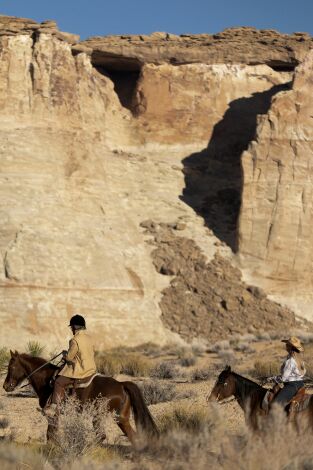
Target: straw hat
x=294, y=342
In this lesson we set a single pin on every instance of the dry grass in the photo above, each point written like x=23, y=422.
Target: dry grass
x=4, y=359
x=113, y=363
x=157, y=391
x=18, y=457
x=185, y=417
x=81, y=428
x=187, y=359
x=205, y=373
x=266, y=369
x=164, y=370
x=108, y=364
x=34, y=348
x=192, y=436
x=136, y=366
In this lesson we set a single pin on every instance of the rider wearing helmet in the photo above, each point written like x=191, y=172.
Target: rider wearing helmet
x=79, y=362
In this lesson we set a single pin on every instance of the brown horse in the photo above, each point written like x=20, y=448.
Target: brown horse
x=250, y=395
x=121, y=396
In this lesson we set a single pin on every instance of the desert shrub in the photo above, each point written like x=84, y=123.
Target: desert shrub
x=248, y=338
x=149, y=349
x=184, y=417
x=266, y=369
x=136, y=366
x=305, y=337
x=108, y=364
x=199, y=346
x=157, y=392
x=4, y=359
x=244, y=347
x=263, y=336
x=220, y=346
x=201, y=374
x=187, y=359
x=227, y=356
x=207, y=443
x=34, y=348
x=164, y=370
x=81, y=429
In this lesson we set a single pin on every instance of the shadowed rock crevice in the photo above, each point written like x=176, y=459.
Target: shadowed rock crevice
x=213, y=177
x=125, y=83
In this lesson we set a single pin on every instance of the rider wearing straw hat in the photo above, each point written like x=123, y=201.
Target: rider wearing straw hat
x=292, y=372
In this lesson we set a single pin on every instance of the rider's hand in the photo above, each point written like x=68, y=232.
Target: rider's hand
x=64, y=353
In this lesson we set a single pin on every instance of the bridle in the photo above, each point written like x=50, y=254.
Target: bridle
x=39, y=368
x=223, y=402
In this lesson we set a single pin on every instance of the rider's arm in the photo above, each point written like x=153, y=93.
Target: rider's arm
x=288, y=368
x=72, y=351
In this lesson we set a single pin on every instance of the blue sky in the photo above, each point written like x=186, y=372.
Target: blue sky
x=102, y=17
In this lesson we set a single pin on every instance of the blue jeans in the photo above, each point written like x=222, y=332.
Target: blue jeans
x=289, y=391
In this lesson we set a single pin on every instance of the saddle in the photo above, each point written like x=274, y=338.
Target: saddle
x=299, y=398
x=79, y=383
x=299, y=402
x=83, y=383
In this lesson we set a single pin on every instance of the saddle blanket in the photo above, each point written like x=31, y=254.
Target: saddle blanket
x=84, y=383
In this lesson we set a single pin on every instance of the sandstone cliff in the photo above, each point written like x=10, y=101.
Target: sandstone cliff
x=276, y=213
x=90, y=148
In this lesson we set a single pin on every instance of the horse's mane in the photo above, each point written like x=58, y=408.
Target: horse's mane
x=247, y=381
x=247, y=387
x=36, y=361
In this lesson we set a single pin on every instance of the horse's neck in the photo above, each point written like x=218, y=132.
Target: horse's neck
x=38, y=380
x=244, y=388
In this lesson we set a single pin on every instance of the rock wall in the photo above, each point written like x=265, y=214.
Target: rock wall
x=276, y=213
x=232, y=46
x=85, y=160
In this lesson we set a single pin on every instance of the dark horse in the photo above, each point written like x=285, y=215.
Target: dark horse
x=250, y=395
x=121, y=396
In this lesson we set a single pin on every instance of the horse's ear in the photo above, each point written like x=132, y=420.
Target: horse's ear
x=13, y=354
x=228, y=368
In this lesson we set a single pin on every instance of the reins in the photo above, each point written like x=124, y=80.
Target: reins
x=39, y=368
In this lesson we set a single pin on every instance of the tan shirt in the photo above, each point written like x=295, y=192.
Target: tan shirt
x=81, y=354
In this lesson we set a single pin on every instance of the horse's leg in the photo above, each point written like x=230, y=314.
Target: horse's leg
x=123, y=421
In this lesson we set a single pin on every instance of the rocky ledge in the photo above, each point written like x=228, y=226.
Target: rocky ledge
x=11, y=25
x=232, y=46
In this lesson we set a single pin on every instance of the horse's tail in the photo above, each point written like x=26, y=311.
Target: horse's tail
x=142, y=415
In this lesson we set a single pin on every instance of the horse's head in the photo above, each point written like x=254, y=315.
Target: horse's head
x=16, y=373
x=224, y=386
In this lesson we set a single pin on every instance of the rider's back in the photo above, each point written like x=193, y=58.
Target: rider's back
x=81, y=357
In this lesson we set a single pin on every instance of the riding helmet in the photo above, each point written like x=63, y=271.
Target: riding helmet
x=77, y=320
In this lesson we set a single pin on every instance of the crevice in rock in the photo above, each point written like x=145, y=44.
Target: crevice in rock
x=125, y=83
x=213, y=177
x=283, y=66
x=208, y=300
x=34, y=38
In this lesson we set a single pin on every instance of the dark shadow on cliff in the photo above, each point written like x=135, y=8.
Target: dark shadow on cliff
x=213, y=177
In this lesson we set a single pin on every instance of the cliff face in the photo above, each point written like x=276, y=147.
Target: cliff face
x=90, y=147
x=276, y=212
